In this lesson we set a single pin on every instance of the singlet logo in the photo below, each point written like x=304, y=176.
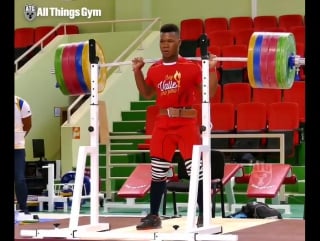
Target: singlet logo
x=170, y=84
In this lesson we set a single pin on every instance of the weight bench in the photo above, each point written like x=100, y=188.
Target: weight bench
x=231, y=171
x=136, y=186
x=265, y=181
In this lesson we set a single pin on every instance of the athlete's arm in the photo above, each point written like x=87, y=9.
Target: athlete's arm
x=145, y=90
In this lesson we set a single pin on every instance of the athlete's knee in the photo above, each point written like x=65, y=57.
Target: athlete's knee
x=159, y=169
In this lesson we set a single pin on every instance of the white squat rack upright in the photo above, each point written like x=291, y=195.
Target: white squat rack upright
x=101, y=230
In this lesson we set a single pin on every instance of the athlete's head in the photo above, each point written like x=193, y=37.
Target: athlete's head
x=169, y=42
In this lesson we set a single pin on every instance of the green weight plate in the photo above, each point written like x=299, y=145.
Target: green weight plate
x=58, y=69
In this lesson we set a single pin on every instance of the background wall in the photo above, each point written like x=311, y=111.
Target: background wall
x=167, y=10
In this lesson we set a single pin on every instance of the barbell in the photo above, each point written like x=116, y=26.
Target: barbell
x=271, y=63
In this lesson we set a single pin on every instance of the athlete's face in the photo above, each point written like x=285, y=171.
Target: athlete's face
x=169, y=46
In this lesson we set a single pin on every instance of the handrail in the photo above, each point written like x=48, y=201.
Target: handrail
x=34, y=46
x=72, y=106
x=138, y=39
x=109, y=152
x=122, y=55
x=113, y=22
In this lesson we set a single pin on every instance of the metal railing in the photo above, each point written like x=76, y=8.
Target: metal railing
x=109, y=152
x=40, y=43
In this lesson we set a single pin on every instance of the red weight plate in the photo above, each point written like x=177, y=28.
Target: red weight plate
x=69, y=70
x=263, y=60
x=271, y=59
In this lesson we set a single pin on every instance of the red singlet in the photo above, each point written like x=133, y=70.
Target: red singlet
x=176, y=86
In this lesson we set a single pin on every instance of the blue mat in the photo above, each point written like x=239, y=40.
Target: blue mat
x=41, y=220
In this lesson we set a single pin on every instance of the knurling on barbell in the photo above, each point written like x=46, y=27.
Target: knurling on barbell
x=271, y=63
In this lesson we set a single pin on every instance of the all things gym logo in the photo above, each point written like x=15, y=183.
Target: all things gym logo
x=32, y=11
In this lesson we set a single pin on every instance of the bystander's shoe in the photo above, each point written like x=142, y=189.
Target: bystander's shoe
x=149, y=222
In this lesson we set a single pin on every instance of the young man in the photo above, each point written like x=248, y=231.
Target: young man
x=22, y=126
x=176, y=82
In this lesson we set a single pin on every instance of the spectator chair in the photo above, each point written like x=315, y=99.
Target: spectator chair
x=283, y=117
x=223, y=122
x=234, y=71
x=251, y=118
x=286, y=21
x=215, y=23
x=260, y=23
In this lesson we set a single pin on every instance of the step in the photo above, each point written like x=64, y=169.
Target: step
x=301, y=187
x=132, y=141
x=299, y=171
x=102, y=160
x=102, y=149
x=123, y=158
x=128, y=126
x=296, y=199
x=141, y=105
x=121, y=171
x=133, y=115
x=124, y=146
x=292, y=188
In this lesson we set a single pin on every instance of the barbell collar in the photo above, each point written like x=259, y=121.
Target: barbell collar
x=299, y=61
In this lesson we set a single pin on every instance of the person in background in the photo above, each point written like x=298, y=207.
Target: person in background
x=22, y=126
x=176, y=82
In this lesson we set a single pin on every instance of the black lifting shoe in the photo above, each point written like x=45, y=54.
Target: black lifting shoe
x=149, y=222
x=145, y=218
x=200, y=221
